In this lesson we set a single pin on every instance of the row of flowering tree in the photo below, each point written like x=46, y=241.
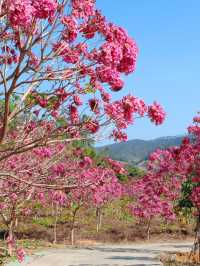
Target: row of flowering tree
x=61, y=62
x=89, y=185
x=172, y=180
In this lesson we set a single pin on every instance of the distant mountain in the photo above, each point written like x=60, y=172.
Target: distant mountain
x=137, y=151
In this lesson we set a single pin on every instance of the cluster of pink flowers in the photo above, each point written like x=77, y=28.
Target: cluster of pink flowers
x=110, y=190
x=8, y=56
x=123, y=58
x=71, y=31
x=117, y=166
x=110, y=76
x=58, y=197
x=44, y=8
x=105, y=187
x=92, y=126
x=23, y=12
x=20, y=12
x=43, y=152
x=110, y=54
x=153, y=196
x=69, y=53
x=118, y=135
x=74, y=116
x=156, y=192
x=122, y=112
x=195, y=197
x=86, y=162
x=156, y=113
x=20, y=254
x=86, y=67
x=83, y=8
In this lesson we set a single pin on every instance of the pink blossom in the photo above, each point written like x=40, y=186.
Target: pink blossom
x=94, y=105
x=119, y=135
x=59, y=198
x=77, y=100
x=92, y=126
x=83, y=8
x=195, y=197
x=20, y=254
x=74, y=116
x=86, y=162
x=44, y=8
x=71, y=31
x=156, y=113
x=21, y=12
x=110, y=76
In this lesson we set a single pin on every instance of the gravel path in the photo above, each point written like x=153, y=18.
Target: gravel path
x=105, y=255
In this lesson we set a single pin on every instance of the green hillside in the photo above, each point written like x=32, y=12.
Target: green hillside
x=137, y=150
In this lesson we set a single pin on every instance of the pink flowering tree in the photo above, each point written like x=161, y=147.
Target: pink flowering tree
x=181, y=166
x=60, y=63
x=56, y=81
x=157, y=192
x=61, y=170
x=105, y=187
x=172, y=179
x=111, y=190
x=152, y=197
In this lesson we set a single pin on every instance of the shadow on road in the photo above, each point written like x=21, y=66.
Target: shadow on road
x=114, y=265
x=132, y=258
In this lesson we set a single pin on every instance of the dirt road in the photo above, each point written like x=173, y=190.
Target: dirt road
x=105, y=255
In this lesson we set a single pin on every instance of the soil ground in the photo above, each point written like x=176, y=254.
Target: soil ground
x=115, y=228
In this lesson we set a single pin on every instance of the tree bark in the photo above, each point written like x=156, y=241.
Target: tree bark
x=10, y=239
x=72, y=226
x=198, y=235
x=148, y=229
x=72, y=236
x=196, y=248
x=55, y=224
x=99, y=219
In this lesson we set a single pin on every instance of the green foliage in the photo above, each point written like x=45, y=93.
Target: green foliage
x=37, y=206
x=132, y=172
x=89, y=151
x=118, y=209
x=185, y=202
x=60, y=122
x=44, y=221
x=87, y=143
x=185, y=205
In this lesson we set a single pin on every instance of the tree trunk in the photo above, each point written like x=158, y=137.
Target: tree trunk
x=198, y=236
x=196, y=248
x=72, y=226
x=99, y=219
x=16, y=223
x=55, y=223
x=10, y=239
x=148, y=229
x=72, y=236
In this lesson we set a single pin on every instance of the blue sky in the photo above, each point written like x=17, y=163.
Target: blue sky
x=168, y=69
